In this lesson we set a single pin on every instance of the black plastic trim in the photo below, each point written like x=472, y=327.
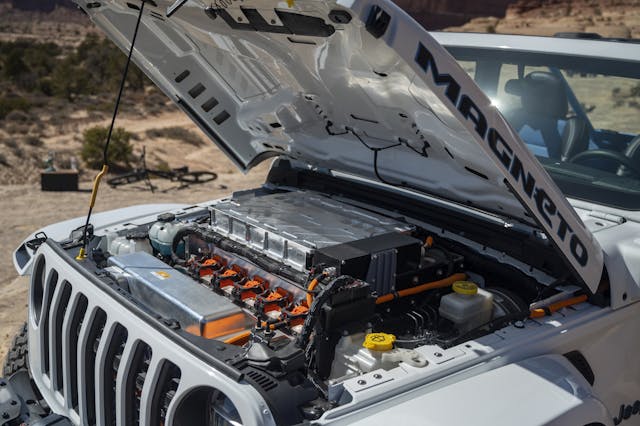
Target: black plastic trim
x=582, y=365
x=377, y=22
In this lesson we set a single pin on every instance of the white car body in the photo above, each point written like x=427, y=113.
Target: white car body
x=317, y=105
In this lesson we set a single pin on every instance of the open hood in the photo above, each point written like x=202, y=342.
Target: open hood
x=355, y=86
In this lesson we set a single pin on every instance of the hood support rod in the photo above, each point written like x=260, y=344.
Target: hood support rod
x=82, y=254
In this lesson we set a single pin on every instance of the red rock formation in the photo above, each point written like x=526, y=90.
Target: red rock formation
x=438, y=14
x=609, y=18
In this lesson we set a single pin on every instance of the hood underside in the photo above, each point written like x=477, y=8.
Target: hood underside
x=350, y=86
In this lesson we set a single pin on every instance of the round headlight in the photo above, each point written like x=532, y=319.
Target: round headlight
x=223, y=412
x=207, y=406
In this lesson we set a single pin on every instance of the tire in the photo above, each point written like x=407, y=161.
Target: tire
x=18, y=356
x=197, y=177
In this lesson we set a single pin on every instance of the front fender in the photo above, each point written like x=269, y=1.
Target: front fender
x=23, y=255
x=546, y=390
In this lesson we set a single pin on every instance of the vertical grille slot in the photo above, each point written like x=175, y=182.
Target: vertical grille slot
x=52, y=283
x=165, y=391
x=57, y=317
x=93, y=340
x=135, y=382
x=37, y=288
x=111, y=365
x=74, y=336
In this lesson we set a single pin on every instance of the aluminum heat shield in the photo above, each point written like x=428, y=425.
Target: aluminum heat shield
x=290, y=227
x=174, y=295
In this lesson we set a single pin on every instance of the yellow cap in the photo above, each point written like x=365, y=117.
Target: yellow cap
x=379, y=341
x=465, y=287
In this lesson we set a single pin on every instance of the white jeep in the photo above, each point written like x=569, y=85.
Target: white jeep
x=413, y=257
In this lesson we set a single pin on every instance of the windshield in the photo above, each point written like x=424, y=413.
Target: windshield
x=579, y=116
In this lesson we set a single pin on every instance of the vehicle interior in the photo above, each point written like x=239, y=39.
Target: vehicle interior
x=578, y=115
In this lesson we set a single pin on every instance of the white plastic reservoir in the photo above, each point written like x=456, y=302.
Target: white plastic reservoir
x=126, y=245
x=467, y=306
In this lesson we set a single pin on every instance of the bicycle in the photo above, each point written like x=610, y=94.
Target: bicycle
x=180, y=174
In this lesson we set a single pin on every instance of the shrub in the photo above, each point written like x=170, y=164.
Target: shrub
x=10, y=143
x=163, y=166
x=18, y=152
x=9, y=104
x=120, y=149
x=18, y=116
x=33, y=141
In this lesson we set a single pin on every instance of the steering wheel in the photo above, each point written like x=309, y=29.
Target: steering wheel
x=608, y=155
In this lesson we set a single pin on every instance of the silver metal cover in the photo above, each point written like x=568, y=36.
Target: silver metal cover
x=290, y=226
x=175, y=295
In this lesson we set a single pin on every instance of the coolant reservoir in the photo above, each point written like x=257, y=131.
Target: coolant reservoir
x=162, y=232
x=467, y=307
x=130, y=244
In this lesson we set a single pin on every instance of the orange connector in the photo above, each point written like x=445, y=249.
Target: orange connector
x=273, y=304
x=211, y=266
x=229, y=277
x=248, y=291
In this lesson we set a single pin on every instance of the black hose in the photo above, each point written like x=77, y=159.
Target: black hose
x=176, y=242
x=314, y=310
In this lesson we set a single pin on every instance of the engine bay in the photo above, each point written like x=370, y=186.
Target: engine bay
x=312, y=291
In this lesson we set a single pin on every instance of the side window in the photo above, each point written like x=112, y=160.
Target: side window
x=611, y=103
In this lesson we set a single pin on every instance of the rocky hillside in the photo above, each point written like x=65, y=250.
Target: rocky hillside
x=432, y=14
x=609, y=18
x=41, y=5
x=438, y=14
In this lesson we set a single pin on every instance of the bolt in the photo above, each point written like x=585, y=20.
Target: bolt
x=362, y=382
x=377, y=376
x=13, y=402
x=30, y=402
x=5, y=415
x=438, y=355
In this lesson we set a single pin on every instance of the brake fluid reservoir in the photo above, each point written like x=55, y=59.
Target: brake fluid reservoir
x=163, y=231
x=467, y=307
x=359, y=353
